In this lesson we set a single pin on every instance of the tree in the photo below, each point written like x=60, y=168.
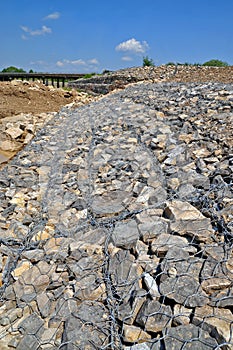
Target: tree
x=148, y=62
x=216, y=63
x=13, y=69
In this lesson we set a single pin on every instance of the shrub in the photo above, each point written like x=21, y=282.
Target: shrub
x=89, y=75
x=216, y=63
x=148, y=62
x=13, y=70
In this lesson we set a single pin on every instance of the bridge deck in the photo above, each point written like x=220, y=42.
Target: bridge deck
x=45, y=77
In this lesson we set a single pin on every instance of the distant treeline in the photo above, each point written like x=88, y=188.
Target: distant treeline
x=13, y=69
x=212, y=63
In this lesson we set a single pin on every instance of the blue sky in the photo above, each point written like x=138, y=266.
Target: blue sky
x=90, y=36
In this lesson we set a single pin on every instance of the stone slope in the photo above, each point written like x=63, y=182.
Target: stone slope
x=110, y=81
x=116, y=225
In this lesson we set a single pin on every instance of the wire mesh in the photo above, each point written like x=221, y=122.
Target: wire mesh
x=116, y=231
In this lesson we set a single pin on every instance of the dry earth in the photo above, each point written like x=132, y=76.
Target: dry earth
x=25, y=107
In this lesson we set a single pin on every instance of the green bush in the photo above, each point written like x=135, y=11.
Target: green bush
x=171, y=64
x=148, y=62
x=13, y=69
x=216, y=63
x=89, y=75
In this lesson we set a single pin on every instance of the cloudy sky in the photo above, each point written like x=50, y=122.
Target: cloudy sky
x=93, y=35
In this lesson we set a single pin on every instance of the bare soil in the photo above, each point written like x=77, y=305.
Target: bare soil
x=23, y=97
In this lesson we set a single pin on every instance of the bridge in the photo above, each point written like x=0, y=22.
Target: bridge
x=54, y=78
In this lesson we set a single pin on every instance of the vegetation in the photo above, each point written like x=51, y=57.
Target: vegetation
x=106, y=71
x=216, y=63
x=148, y=62
x=89, y=75
x=211, y=63
x=13, y=69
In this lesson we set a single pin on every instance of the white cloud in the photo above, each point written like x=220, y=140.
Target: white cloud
x=39, y=62
x=93, y=61
x=24, y=37
x=133, y=45
x=70, y=62
x=127, y=58
x=78, y=62
x=54, y=15
x=44, y=30
x=60, y=64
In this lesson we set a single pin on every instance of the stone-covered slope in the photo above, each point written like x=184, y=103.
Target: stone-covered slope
x=116, y=225
x=105, y=83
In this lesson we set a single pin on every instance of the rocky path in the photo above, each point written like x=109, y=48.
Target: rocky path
x=116, y=225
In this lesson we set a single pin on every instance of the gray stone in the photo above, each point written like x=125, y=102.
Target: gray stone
x=44, y=302
x=181, y=315
x=164, y=242
x=183, y=286
x=150, y=230
x=88, y=327
x=151, y=286
x=109, y=205
x=188, y=337
x=124, y=273
x=31, y=325
x=217, y=322
x=125, y=234
x=154, y=317
x=184, y=290
x=186, y=219
x=129, y=307
x=28, y=342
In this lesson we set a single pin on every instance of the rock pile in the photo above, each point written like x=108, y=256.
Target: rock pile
x=110, y=81
x=116, y=225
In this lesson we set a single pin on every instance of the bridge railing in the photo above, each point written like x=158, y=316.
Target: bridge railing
x=56, y=79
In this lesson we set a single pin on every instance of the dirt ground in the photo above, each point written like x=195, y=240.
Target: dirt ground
x=23, y=97
x=25, y=107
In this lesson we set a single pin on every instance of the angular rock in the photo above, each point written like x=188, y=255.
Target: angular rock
x=90, y=287
x=124, y=273
x=28, y=342
x=150, y=230
x=110, y=204
x=125, y=234
x=129, y=307
x=190, y=336
x=151, y=286
x=186, y=219
x=132, y=334
x=164, y=242
x=212, y=285
x=154, y=317
x=216, y=321
x=31, y=325
x=88, y=327
x=180, y=278
x=181, y=315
